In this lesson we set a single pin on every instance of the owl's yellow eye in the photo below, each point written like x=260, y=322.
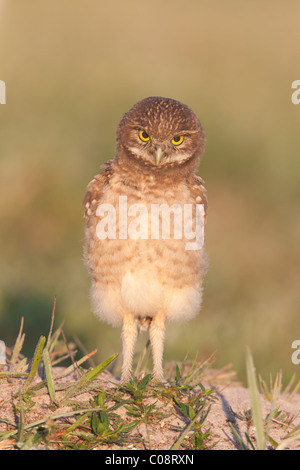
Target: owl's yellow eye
x=177, y=140
x=144, y=136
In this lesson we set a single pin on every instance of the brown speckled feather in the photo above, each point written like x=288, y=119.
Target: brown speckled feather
x=95, y=190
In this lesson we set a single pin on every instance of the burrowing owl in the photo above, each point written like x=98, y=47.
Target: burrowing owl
x=141, y=219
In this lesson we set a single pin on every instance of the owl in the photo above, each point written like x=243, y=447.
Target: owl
x=145, y=215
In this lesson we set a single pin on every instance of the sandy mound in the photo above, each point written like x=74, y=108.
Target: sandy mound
x=228, y=410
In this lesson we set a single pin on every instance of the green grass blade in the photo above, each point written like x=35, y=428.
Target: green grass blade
x=18, y=344
x=21, y=420
x=273, y=442
x=144, y=382
x=49, y=375
x=76, y=364
x=35, y=362
x=127, y=427
x=238, y=437
x=54, y=338
x=77, y=423
x=51, y=324
x=249, y=441
x=181, y=438
x=14, y=374
x=255, y=403
x=87, y=378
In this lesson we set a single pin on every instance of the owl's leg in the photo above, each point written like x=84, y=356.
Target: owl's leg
x=157, y=336
x=129, y=335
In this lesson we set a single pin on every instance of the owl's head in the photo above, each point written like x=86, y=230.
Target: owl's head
x=161, y=132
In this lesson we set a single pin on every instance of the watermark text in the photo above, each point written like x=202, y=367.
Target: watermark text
x=296, y=94
x=154, y=222
x=296, y=354
x=2, y=92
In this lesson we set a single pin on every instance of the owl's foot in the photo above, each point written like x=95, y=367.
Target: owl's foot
x=126, y=377
x=158, y=376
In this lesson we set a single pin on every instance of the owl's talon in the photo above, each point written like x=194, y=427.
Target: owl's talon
x=125, y=378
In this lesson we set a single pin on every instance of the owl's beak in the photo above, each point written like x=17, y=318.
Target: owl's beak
x=159, y=153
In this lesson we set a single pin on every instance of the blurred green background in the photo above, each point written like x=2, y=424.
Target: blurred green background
x=72, y=68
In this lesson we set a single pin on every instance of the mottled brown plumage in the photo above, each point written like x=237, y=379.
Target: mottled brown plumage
x=149, y=280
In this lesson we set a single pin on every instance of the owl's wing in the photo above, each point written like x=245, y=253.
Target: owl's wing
x=198, y=192
x=95, y=190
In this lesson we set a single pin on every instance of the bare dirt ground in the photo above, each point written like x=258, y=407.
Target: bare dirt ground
x=233, y=401
x=228, y=409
